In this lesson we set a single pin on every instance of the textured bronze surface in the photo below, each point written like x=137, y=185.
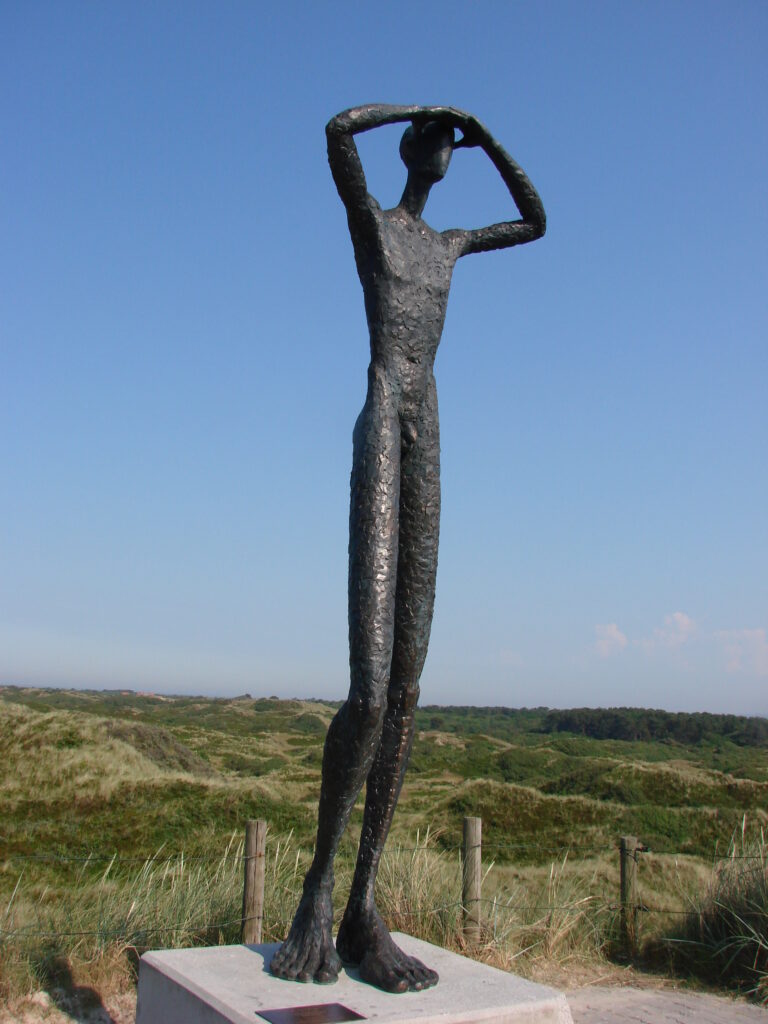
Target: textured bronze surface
x=325, y=1013
x=405, y=269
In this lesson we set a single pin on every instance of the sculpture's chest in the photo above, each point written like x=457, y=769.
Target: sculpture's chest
x=411, y=252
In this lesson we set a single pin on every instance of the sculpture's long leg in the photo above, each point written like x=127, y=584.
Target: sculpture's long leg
x=353, y=736
x=363, y=938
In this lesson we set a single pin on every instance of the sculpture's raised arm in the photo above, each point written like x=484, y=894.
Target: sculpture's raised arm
x=533, y=222
x=346, y=168
x=343, y=157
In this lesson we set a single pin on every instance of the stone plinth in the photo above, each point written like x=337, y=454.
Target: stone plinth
x=232, y=985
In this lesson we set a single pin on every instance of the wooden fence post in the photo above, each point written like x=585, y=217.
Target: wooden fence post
x=628, y=850
x=253, y=882
x=471, y=878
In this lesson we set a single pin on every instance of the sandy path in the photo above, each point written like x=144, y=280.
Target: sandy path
x=642, y=1006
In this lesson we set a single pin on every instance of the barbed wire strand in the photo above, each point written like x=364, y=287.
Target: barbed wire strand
x=101, y=858
x=587, y=903
x=115, y=933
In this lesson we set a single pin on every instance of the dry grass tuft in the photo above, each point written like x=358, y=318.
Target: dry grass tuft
x=725, y=935
x=555, y=914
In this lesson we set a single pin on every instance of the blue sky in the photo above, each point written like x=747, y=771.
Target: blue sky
x=184, y=348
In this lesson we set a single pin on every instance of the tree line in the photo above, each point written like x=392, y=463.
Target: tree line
x=639, y=724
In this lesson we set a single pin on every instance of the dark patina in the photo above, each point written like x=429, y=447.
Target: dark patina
x=405, y=268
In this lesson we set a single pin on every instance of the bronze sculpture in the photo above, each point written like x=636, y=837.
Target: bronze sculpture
x=405, y=268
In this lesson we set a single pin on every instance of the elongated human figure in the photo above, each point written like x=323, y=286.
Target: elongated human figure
x=405, y=268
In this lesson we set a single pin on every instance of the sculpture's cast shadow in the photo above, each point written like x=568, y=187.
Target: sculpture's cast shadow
x=80, y=1003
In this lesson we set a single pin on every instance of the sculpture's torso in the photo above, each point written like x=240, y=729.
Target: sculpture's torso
x=405, y=268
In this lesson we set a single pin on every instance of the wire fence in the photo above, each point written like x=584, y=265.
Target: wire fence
x=121, y=930
x=141, y=933
x=115, y=933
x=116, y=858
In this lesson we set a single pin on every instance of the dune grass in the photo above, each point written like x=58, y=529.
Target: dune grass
x=724, y=936
x=108, y=920
x=565, y=912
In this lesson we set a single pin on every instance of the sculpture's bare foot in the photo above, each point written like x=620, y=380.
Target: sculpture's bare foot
x=308, y=953
x=365, y=942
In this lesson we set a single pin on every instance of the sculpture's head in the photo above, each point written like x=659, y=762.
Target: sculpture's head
x=426, y=149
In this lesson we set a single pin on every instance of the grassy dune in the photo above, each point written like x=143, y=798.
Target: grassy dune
x=121, y=772
x=86, y=774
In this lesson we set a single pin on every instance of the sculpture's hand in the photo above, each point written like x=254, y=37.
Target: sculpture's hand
x=450, y=116
x=473, y=133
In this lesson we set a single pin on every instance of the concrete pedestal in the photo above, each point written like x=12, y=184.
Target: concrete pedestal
x=232, y=985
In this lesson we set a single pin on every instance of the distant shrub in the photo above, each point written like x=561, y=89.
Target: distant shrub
x=69, y=740
x=160, y=746
x=310, y=724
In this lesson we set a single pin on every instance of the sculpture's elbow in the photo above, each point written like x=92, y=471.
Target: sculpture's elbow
x=540, y=224
x=339, y=125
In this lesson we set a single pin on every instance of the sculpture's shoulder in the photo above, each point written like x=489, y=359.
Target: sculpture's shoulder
x=364, y=215
x=453, y=239
x=365, y=218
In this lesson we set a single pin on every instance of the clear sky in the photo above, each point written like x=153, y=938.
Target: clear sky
x=183, y=347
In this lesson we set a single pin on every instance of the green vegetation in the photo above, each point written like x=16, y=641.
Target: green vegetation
x=83, y=772
x=641, y=724
x=86, y=775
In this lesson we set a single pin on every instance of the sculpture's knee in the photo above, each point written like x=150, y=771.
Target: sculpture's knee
x=366, y=713
x=404, y=696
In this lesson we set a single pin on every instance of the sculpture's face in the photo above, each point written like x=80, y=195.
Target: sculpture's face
x=427, y=152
